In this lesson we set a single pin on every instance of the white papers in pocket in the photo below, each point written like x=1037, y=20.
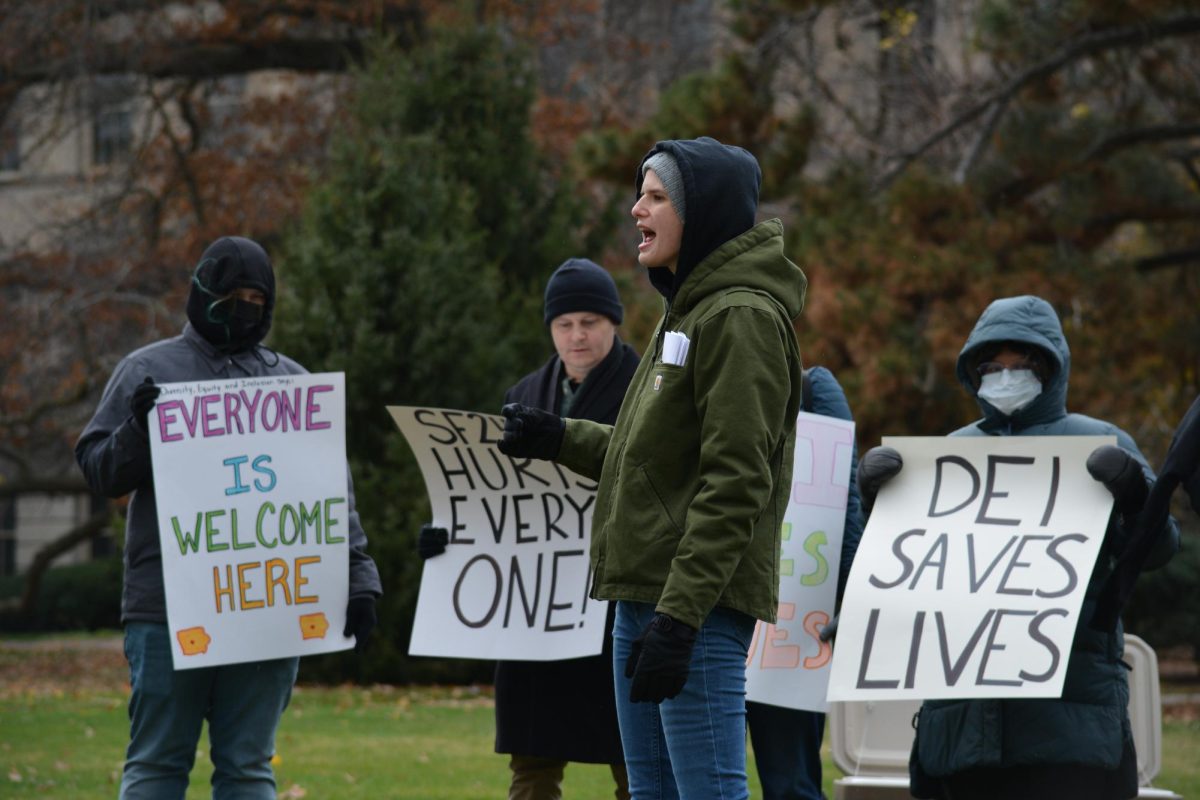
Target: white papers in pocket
x=675, y=348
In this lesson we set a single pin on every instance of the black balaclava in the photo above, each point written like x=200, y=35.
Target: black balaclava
x=229, y=324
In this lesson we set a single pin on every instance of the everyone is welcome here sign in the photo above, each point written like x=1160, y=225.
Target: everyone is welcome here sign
x=251, y=489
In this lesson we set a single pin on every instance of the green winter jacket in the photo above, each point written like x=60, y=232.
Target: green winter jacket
x=695, y=475
x=1089, y=724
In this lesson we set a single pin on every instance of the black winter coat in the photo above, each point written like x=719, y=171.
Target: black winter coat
x=565, y=710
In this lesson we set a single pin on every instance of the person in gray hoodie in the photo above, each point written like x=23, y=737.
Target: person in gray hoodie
x=229, y=309
x=1016, y=364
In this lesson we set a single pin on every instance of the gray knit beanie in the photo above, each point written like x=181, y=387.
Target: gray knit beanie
x=664, y=166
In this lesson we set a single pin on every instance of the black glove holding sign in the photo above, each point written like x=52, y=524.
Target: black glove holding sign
x=1122, y=475
x=431, y=541
x=877, y=466
x=142, y=401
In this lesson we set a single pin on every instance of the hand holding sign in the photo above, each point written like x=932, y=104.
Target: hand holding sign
x=142, y=401
x=1122, y=475
x=877, y=466
x=431, y=541
x=507, y=574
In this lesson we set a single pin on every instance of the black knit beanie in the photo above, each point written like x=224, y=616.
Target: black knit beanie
x=582, y=285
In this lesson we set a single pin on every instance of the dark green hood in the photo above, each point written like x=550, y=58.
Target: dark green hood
x=754, y=260
x=1032, y=321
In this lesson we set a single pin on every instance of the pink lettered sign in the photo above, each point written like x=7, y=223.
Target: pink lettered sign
x=788, y=665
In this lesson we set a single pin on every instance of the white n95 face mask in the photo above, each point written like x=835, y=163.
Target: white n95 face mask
x=1010, y=390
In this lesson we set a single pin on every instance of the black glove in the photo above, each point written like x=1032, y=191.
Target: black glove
x=830, y=630
x=431, y=541
x=658, y=662
x=531, y=432
x=1122, y=475
x=360, y=620
x=142, y=401
x=877, y=466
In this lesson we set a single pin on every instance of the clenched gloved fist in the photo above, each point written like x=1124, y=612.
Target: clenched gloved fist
x=142, y=401
x=877, y=466
x=658, y=662
x=1122, y=475
x=360, y=621
x=531, y=432
x=431, y=541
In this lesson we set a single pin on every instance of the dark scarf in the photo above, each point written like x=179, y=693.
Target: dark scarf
x=599, y=396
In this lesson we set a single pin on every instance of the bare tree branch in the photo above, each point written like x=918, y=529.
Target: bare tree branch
x=1131, y=138
x=41, y=562
x=1132, y=36
x=43, y=485
x=1173, y=258
x=973, y=154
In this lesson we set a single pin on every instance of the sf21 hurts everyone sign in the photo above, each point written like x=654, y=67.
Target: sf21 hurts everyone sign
x=972, y=570
x=251, y=489
x=513, y=582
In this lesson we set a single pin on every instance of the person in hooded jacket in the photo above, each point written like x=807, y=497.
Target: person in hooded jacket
x=787, y=741
x=694, y=476
x=229, y=309
x=1016, y=364
x=550, y=713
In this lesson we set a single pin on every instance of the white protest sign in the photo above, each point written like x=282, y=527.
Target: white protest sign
x=513, y=583
x=972, y=570
x=250, y=484
x=787, y=664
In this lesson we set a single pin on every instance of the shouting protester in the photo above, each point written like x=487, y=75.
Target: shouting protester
x=1016, y=364
x=229, y=311
x=695, y=475
x=550, y=713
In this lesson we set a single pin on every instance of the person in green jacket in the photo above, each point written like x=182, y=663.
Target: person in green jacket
x=695, y=474
x=1016, y=363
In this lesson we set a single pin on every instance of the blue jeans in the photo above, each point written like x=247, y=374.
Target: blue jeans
x=694, y=745
x=242, y=703
x=787, y=751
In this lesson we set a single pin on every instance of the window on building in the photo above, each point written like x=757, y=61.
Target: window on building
x=112, y=135
x=110, y=101
x=10, y=145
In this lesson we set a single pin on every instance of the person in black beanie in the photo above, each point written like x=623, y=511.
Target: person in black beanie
x=550, y=713
x=229, y=311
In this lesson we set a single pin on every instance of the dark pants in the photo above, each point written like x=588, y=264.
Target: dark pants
x=787, y=751
x=536, y=778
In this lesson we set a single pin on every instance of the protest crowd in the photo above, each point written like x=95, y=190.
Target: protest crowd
x=688, y=453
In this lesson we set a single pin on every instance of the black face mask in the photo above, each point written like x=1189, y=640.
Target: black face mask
x=230, y=324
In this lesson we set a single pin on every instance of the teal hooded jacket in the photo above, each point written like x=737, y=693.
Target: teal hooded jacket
x=1089, y=725
x=695, y=475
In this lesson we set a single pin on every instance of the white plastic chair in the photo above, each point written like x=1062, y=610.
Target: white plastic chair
x=871, y=740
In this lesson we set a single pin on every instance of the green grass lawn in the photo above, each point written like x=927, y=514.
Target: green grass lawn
x=63, y=730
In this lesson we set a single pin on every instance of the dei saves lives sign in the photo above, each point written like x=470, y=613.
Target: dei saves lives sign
x=972, y=569
x=513, y=582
